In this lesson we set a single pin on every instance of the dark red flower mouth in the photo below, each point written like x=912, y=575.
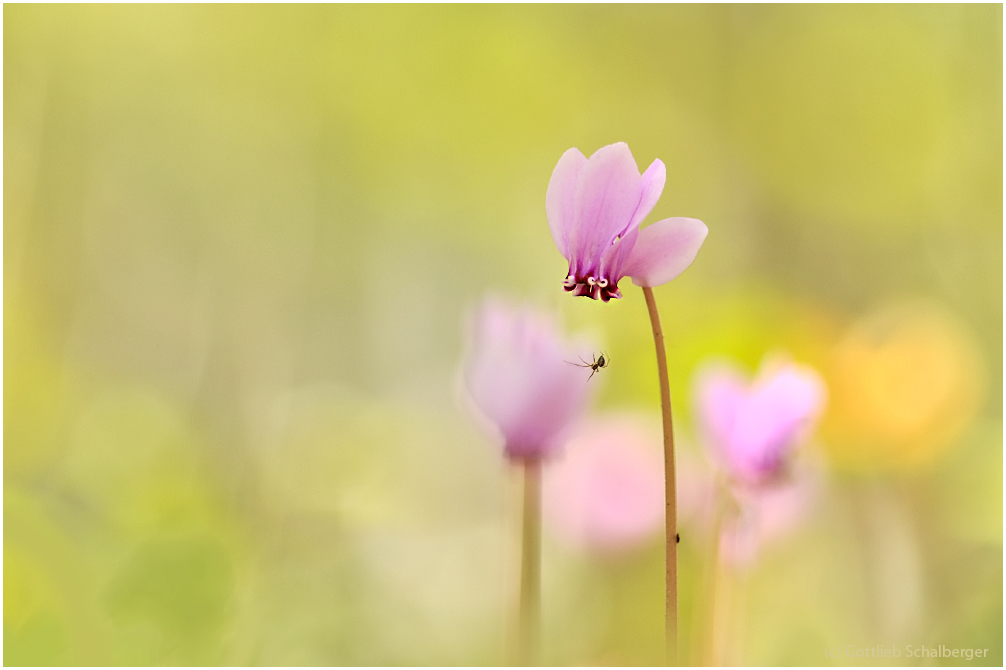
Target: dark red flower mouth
x=595, y=289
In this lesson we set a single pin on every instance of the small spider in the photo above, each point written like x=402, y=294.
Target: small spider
x=599, y=362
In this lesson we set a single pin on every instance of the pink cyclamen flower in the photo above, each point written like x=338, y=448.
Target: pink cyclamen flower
x=607, y=492
x=753, y=428
x=594, y=208
x=518, y=377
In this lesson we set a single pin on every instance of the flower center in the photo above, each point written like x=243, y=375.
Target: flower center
x=591, y=287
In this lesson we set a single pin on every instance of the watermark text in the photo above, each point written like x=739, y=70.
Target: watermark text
x=906, y=651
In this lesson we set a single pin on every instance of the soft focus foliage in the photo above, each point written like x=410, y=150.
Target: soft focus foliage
x=240, y=242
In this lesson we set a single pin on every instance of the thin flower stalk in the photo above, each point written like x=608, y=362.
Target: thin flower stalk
x=670, y=488
x=529, y=623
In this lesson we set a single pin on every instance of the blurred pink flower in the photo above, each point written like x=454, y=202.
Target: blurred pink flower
x=517, y=375
x=751, y=429
x=594, y=208
x=765, y=515
x=607, y=492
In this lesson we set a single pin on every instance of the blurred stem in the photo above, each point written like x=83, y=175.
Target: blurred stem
x=529, y=625
x=702, y=613
x=670, y=489
x=714, y=624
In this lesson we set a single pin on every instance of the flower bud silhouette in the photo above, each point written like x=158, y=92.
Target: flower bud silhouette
x=518, y=377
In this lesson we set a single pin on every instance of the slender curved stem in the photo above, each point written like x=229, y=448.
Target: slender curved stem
x=670, y=488
x=529, y=624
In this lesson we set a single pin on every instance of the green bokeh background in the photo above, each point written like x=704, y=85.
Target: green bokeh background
x=240, y=242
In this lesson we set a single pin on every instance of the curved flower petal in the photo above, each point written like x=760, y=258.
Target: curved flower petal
x=559, y=197
x=607, y=195
x=652, y=184
x=615, y=258
x=664, y=250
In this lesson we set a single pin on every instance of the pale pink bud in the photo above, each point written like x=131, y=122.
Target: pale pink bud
x=521, y=378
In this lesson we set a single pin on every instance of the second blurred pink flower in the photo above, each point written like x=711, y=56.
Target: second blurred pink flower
x=607, y=492
x=751, y=429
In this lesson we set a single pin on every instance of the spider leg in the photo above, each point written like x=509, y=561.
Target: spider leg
x=577, y=364
x=585, y=363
